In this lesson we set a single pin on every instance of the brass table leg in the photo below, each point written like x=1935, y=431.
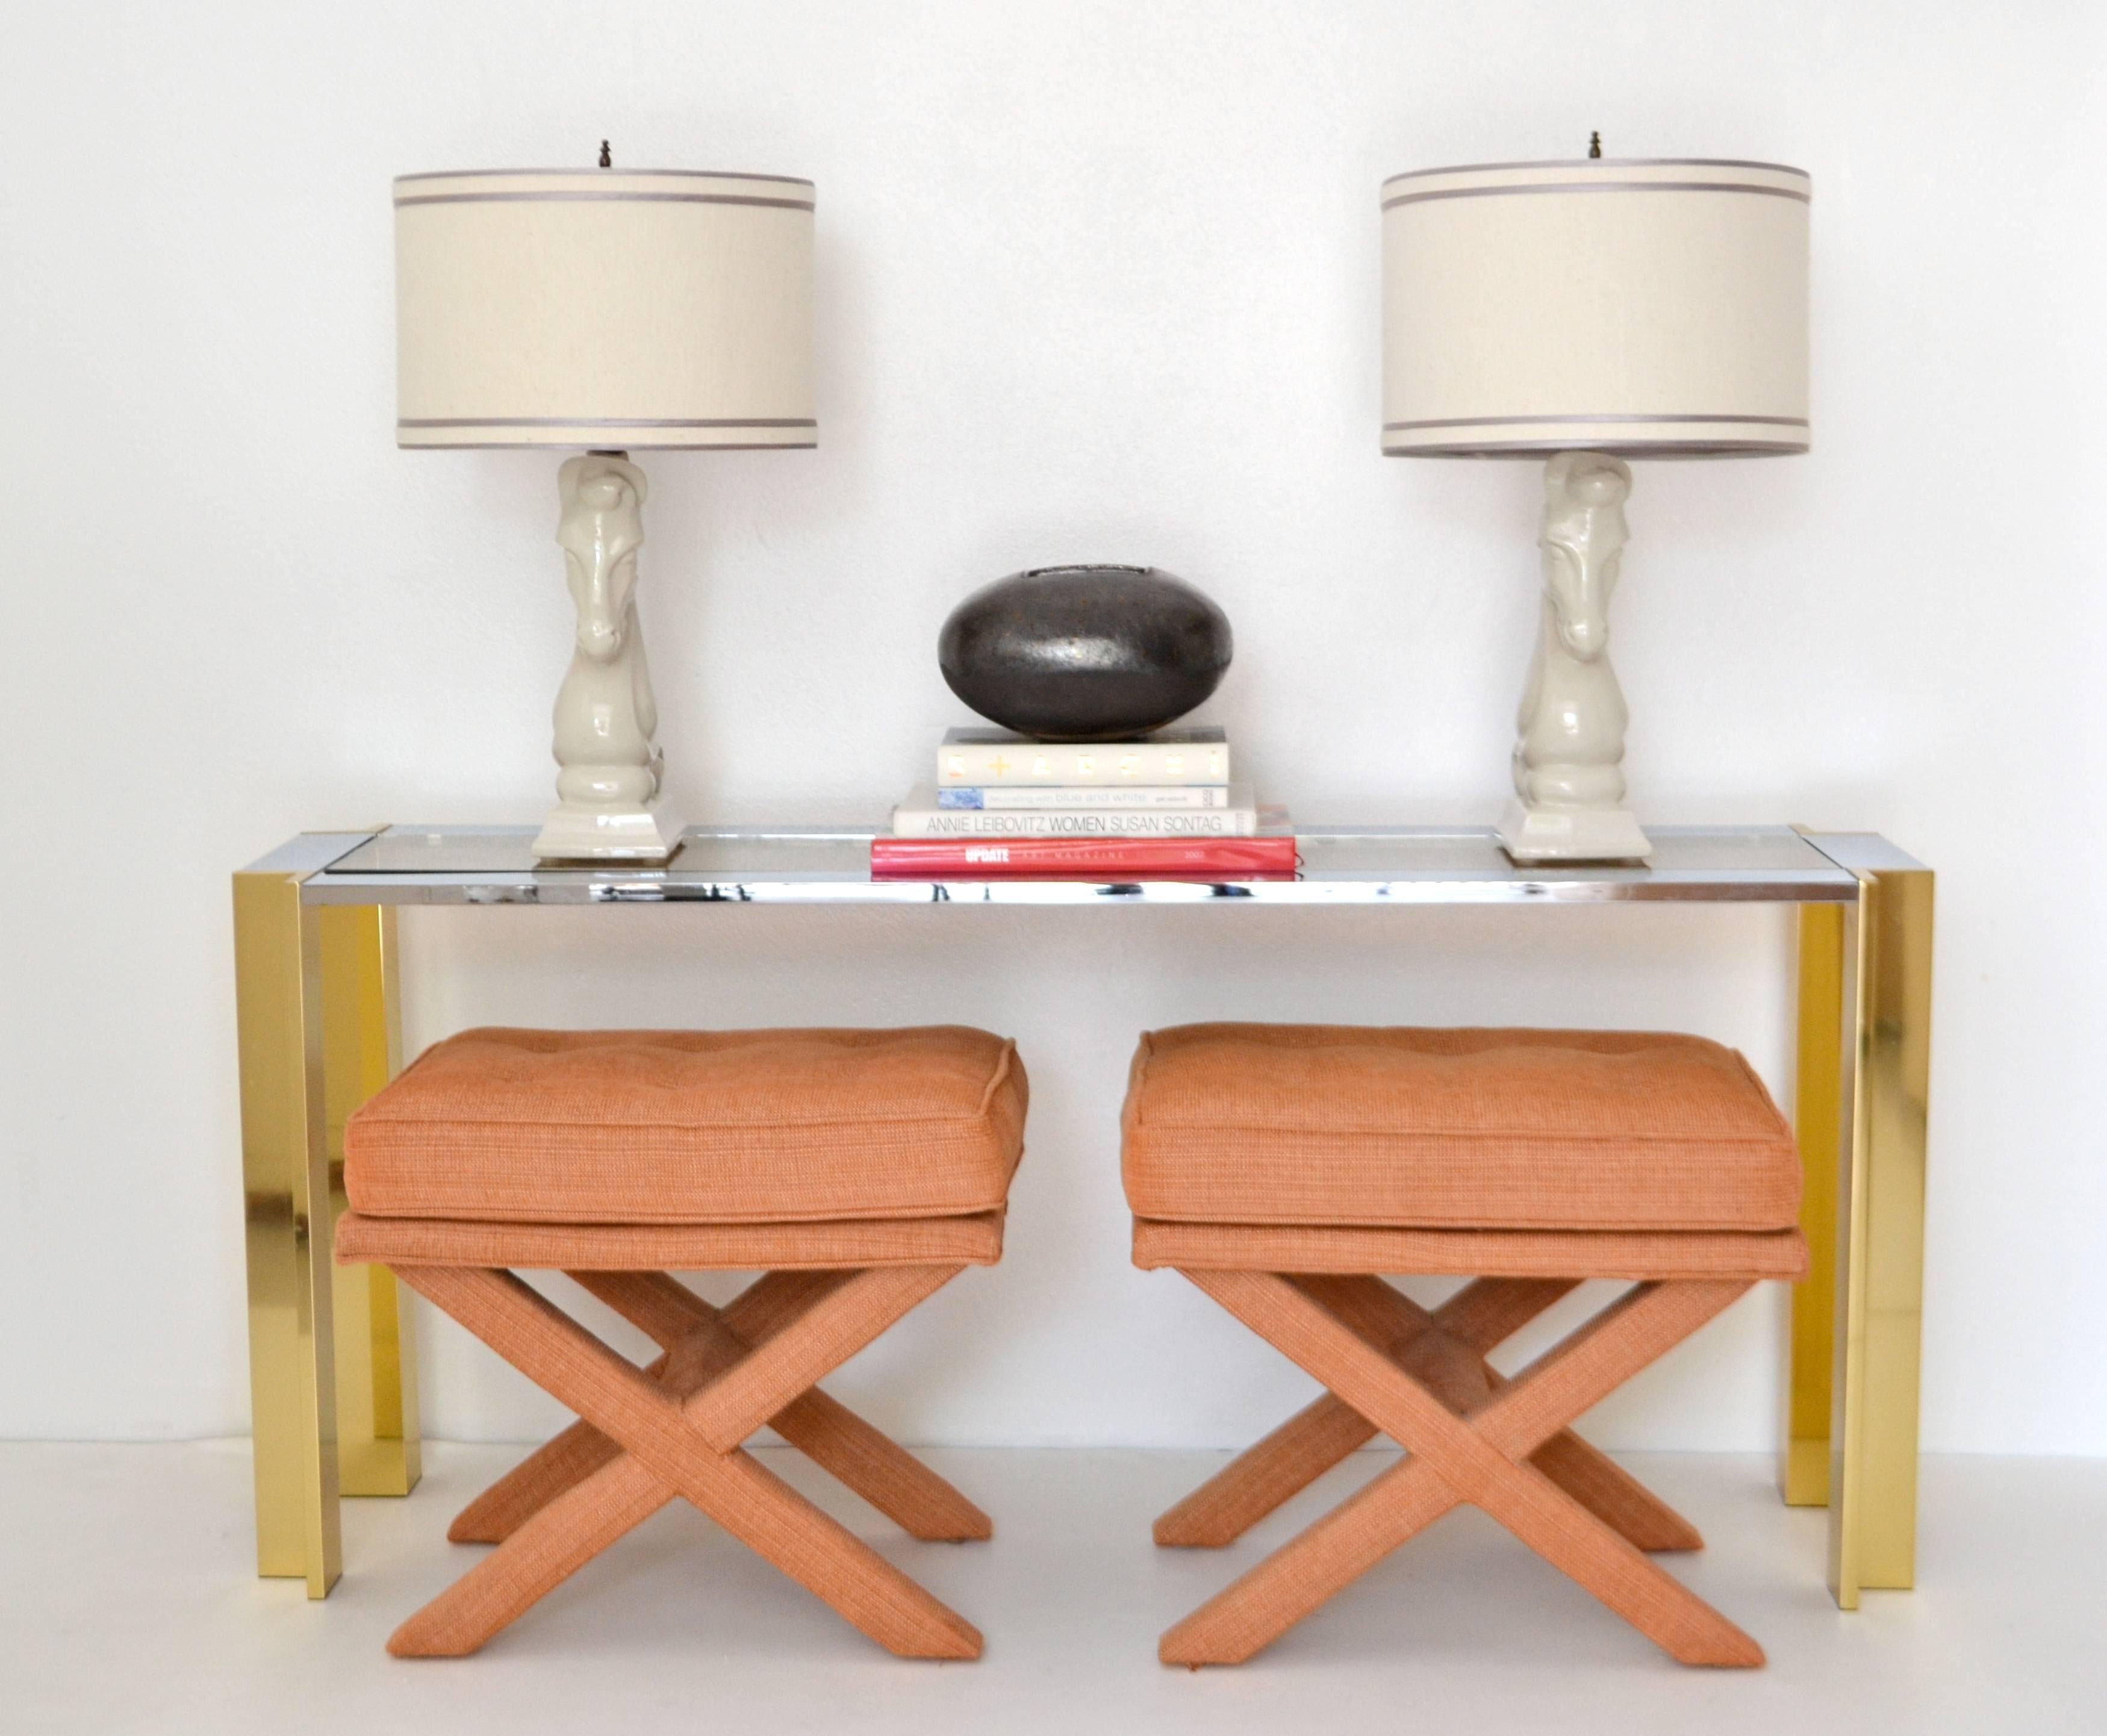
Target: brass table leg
x=277, y=966
x=1881, y=950
x=1818, y=1123
x=378, y=1446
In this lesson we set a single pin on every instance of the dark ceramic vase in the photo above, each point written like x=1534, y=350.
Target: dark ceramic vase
x=1085, y=653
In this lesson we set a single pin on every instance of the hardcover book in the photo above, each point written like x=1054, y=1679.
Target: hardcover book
x=993, y=757
x=1270, y=855
x=923, y=814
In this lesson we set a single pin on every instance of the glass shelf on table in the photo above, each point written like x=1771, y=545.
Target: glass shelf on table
x=1461, y=865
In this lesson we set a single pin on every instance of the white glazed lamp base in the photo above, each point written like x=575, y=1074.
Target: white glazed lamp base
x=1569, y=754
x=610, y=768
x=1573, y=834
x=580, y=832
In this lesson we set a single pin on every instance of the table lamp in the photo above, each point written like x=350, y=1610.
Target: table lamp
x=610, y=310
x=1591, y=310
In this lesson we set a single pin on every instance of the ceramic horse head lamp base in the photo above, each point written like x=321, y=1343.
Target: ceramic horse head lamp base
x=1590, y=312
x=612, y=310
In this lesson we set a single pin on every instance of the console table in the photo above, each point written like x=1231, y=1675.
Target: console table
x=331, y=1369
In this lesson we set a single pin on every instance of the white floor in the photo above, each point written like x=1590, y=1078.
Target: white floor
x=127, y=1603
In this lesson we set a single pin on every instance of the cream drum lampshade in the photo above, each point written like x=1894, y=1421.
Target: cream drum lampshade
x=608, y=310
x=1589, y=312
x=603, y=307
x=1647, y=310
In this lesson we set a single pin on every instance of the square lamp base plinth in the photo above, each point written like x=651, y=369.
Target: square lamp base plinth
x=575, y=832
x=1573, y=834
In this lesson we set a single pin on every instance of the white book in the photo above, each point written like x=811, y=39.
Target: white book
x=988, y=757
x=921, y=815
x=1082, y=795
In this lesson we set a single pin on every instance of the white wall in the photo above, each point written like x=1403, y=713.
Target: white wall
x=1096, y=281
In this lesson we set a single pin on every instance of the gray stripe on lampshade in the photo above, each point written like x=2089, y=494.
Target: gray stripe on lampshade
x=689, y=174
x=671, y=199
x=1599, y=186
x=1505, y=421
x=604, y=421
x=1591, y=164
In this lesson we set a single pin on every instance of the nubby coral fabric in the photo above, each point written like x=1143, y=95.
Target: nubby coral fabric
x=974, y=1240
x=863, y=1169
x=1475, y=1253
x=693, y=1127
x=1438, y=1128
x=1280, y=1167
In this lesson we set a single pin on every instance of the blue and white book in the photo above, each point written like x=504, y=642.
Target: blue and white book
x=993, y=796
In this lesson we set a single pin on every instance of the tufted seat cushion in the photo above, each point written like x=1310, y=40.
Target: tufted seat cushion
x=693, y=1127
x=1439, y=1128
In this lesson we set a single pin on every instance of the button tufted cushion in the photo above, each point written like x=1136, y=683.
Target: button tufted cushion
x=693, y=1127
x=1435, y=1128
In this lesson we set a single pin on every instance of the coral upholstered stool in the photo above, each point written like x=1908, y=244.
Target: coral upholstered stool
x=861, y=1169
x=1281, y=1167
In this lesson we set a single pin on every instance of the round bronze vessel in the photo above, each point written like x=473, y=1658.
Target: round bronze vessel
x=1084, y=653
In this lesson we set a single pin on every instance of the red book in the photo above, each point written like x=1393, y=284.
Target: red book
x=1261, y=858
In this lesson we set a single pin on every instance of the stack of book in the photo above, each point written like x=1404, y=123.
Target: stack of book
x=1162, y=808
